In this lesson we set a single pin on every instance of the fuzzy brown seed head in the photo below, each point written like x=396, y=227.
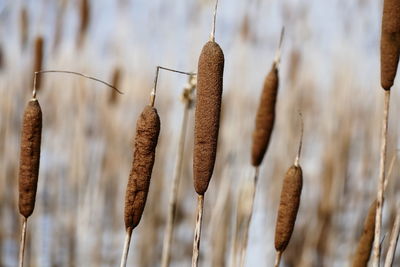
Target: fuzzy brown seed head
x=147, y=131
x=390, y=42
x=29, y=157
x=208, y=108
x=288, y=207
x=265, y=117
x=38, y=60
x=365, y=244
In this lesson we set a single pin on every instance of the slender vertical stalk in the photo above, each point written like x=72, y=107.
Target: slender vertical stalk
x=394, y=236
x=22, y=243
x=248, y=221
x=278, y=256
x=378, y=219
x=126, y=247
x=166, y=256
x=197, y=231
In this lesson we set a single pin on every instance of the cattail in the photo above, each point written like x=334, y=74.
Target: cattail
x=147, y=131
x=289, y=204
x=265, y=117
x=288, y=207
x=30, y=157
x=390, y=42
x=207, y=115
x=38, y=59
x=365, y=244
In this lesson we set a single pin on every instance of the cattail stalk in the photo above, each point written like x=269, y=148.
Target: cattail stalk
x=22, y=243
x=394, y=237
x=197, y=231
x=207, y=117
x=187, y=98
x=247, y=220
x=381, y=184
x=265, y=119
x=278, y=257
x=125, y=250
x=147, y=132
x=29, y=165
x=289, y=203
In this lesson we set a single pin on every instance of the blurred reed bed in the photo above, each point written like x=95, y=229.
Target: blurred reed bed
x=86, y=152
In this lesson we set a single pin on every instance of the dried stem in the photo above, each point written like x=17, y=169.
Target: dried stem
x=126, y=247
x=22, y=242
x=68, y=72
x=197, y=231
x=296, y=161
x=278, y=257
x=394, y=236
x=378, y=219
x=278, y=54
x=248, y=220
x=212, y=35
x=153, y=92
x=165, y=260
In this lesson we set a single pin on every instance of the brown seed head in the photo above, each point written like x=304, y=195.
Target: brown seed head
x=390, y=42
x=29, y=157
x=265, y=117
x=147, y=131
x=365, y=244
x=208, y=108
x=288, y=207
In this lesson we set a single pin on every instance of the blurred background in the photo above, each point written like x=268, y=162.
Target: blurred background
x=329, y=71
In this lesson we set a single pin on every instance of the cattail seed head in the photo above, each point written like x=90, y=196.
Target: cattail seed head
x=147, y=132
x=265, y=117
x=207, y=115
x=390, y=42
x=30, y=157
x=365, y=244
x=288, y=207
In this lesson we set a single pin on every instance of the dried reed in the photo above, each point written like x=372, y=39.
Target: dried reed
x=381, y=183
x=84, y=13
x=187, y=102
x=23, y=26
x=116, y=78
x=390, y=51
x=38, y=59
x=394, y=236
